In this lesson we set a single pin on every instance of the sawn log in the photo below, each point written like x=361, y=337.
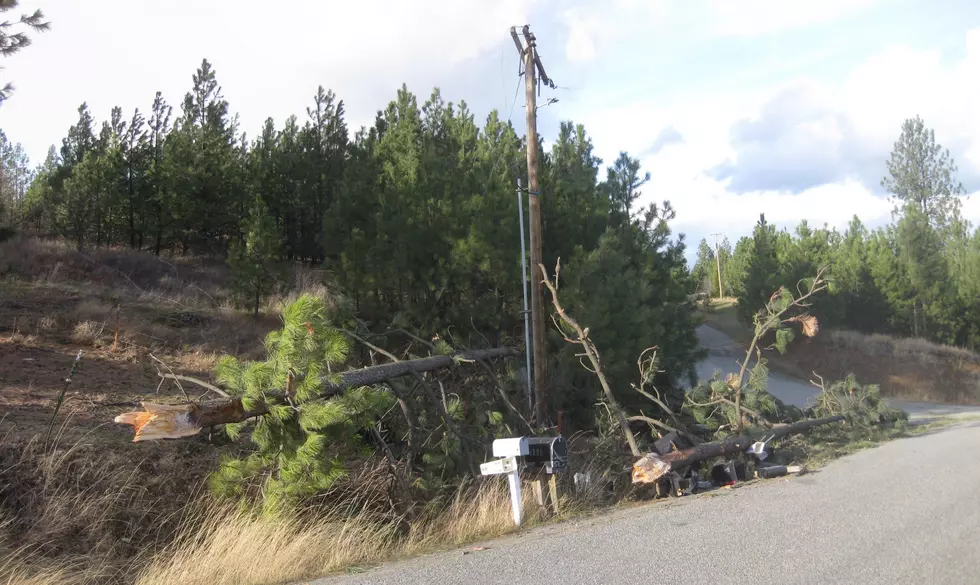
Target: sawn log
x=173, y=421
x=652, y=467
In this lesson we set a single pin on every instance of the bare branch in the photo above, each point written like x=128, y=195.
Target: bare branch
x=173, y=376
x=201, y=383
x=593, y=354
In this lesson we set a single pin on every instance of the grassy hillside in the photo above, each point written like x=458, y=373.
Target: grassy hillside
x=905, y=368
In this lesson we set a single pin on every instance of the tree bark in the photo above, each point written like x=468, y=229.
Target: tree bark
x=184, y=420
x=652, y=467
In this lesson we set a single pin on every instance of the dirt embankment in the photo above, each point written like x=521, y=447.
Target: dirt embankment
x=906, y=368
x=910, y=369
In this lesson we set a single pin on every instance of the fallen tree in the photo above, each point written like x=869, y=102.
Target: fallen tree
x=651, y=467
x=174, y=421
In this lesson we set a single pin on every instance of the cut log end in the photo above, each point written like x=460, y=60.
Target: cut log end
x=649, y=468
x=161, y=421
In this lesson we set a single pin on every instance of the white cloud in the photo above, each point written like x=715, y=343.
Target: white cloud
x=752, y=18
x=269, y=57
x=828, y=137
x=582, y=30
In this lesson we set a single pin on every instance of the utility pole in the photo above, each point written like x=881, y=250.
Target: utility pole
x=533, y=68
x=721, y=288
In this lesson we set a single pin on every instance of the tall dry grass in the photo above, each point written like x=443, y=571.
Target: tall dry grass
x=293, y=547
x=79, y=519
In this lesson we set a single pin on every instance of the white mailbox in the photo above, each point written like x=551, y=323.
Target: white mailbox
x=512, y=447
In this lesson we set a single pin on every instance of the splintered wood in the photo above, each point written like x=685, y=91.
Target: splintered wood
x=649, y=468
x=162, y=421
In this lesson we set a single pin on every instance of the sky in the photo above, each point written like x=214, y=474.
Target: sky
x=788, y=108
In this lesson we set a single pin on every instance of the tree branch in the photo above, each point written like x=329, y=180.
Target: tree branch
x=201, y=383
x=175, y=421
x=593, y=354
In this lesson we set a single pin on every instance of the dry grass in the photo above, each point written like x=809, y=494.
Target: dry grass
x=294, y=548
x=211, y=544
x=910, y=369
x=98, y=509
x=926, y=352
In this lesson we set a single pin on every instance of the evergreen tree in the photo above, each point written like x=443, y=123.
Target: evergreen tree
x=159, y=216
x=736, y=268
x=623, y=183
x=922, y=179
x=301, y=443
x=202, y=163
x=256, y=262
x=703, y=268
x=762, y=274
x=15, y=177
x=632, y=292
x=922, y=176
x=14, y=37
x=863, y=304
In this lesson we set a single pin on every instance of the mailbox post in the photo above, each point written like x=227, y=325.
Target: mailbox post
x=548, y=454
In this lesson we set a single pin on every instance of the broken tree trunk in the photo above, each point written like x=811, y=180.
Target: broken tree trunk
x=160, y=421
x=652, y=467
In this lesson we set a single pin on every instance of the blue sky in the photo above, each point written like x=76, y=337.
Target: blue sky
x=736, y=108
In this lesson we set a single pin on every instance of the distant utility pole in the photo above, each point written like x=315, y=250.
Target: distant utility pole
x=532, y=66
x=721, y=288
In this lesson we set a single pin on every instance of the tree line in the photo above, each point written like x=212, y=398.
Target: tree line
x=414, y=217
x=917, y=276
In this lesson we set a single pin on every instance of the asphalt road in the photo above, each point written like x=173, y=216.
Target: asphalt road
x=904, y=512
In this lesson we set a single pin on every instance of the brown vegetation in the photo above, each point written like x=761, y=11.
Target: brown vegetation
x=909, y=369
x=89, y=506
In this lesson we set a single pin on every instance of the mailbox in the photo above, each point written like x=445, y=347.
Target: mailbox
x=513, y=447
x=547, y=453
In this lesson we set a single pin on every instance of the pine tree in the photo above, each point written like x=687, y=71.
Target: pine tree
x=623, y=182
x=300, y=444
x=762, y=274
x=15, y=177
x=734, y=270
x=14, y=39
x=703, y=268
x=256, y=263
x=922, y=176
x=158, y=128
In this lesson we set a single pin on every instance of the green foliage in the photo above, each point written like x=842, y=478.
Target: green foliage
x=914, y=277
x=922, y=176
x=256, y=264
x=14, y=37
x=632, y=292
x=860, y=404
x=704, y=267
x=301, y=442
x=762, y=272
x=415, y=217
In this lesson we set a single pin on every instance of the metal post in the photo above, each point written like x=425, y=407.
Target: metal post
x=527, y=323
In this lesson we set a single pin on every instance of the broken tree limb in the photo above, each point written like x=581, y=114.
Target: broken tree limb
x=652, y=467
x=591, y=352
x=184, y=420
x=192, y=380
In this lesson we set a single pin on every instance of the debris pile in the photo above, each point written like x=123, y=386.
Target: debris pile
x=675, y=466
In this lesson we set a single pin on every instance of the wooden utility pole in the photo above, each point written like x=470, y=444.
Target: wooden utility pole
x=721, y=288
x=533, y=69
